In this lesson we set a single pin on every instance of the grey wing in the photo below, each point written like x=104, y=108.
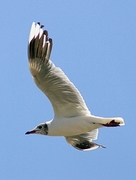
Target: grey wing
x=84, y=141
x=64, y=96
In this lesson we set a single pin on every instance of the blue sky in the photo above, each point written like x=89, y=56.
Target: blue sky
x=94, y=43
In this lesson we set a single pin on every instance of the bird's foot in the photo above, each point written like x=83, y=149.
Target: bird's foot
x=112, y=124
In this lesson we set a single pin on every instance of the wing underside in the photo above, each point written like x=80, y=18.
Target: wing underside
x=64, y=96
x=84, y=142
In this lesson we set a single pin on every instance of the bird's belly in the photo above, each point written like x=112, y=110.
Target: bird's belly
x=70, y=126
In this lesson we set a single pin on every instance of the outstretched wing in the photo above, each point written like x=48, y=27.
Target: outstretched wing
x=64, y=96
x=84, y=141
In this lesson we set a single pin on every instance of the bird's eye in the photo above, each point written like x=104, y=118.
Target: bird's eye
x=40, y=127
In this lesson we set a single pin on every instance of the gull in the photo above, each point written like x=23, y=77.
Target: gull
x=72, y=119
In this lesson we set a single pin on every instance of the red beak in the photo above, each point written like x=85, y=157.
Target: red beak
x=31, y=132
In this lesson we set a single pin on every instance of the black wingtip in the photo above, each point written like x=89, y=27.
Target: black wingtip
x=42, y=26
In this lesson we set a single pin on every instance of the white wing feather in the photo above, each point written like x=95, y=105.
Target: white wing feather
x=64, y=96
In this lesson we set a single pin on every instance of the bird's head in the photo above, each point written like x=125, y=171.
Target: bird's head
x=40, y=129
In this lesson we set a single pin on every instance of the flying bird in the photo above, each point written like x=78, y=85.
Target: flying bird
x=72, y=119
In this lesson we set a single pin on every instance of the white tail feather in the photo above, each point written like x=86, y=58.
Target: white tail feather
x=109, y=122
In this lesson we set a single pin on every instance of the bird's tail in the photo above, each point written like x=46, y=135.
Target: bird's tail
x=108, y=122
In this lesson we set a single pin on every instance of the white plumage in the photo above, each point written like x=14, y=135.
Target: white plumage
x=72, y=119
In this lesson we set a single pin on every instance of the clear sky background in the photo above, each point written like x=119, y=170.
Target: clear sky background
x=94, y=42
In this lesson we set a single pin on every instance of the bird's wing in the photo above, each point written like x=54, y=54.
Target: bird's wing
x=64, y=96
x=84, y=141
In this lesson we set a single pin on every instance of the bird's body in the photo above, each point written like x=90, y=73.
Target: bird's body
x=61, y=126
x=72, y=119
x=71, y=126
